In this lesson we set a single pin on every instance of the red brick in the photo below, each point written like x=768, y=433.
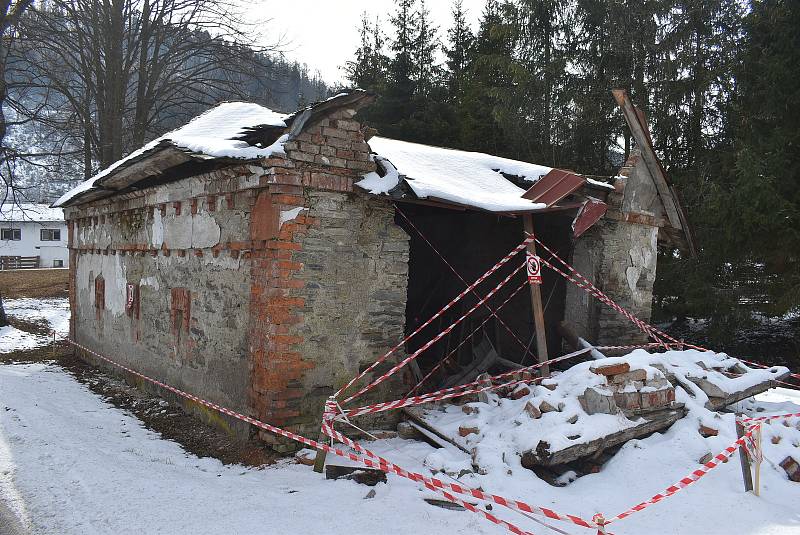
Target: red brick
x=611, y=369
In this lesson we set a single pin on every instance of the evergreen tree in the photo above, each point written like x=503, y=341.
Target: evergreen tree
x=367, y=69
x=426, y=45
x=459, y=52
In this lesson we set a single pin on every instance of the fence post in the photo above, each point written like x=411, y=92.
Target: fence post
x=746, y=475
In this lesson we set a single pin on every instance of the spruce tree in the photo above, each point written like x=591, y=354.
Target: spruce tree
x=459, y=52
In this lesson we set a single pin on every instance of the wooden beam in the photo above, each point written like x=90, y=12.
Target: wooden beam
x=536, y=305
x=642, y=137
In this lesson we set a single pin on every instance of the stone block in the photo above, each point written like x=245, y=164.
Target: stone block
x=707, y=431
x=518, y=392
x=658, y=398
x=631, y=376
x=599, y=402
x=532, y=410
x=630, y=401
x=465, y=431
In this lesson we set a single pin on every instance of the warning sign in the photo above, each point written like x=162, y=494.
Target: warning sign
x=534, y=268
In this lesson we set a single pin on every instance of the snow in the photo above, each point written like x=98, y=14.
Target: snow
x=18, y=212
x=71, y=463
x=468, y=178
x=379, y=185
x=211, y=134
x=55, y=312
x=505, y=427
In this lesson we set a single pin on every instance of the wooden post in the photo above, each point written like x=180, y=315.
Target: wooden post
x=319, y=461
x=536, y=305
x=757, y=482
x=746, y=475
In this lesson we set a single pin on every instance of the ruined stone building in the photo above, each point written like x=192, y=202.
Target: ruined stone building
x=261, y=260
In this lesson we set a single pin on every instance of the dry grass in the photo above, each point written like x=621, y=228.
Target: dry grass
x=34, y=283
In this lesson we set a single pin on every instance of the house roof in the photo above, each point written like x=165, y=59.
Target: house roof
x=20, y=212
x=246, y=131
x=466, y=178
x=227, y=132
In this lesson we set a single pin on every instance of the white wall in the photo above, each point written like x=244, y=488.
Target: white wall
x=31, y=244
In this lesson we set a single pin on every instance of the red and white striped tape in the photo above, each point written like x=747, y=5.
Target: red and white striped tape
x=688, y=480
x=584, y=283
x=435, y=339
x=766, y=418
x=466, y=339
x=371, y=460
x=457, y=274
x=435, y=483
x=456, y=299
x=460, y=390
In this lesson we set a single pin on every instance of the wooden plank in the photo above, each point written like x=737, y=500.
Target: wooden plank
x=744, y=461
x=536, y=305
x=657, y=421
x=414, y=415
x=642, y=137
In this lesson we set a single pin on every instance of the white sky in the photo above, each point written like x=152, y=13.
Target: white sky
x=324, y=34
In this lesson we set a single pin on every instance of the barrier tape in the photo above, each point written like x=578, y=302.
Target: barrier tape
x=457, y=274
x=435, y=339
x=688, y=480
x=371, y=461
x=466, y=339
x=457, y=298
x=434, y=483
x=456, y=391
x=767, y=418
x=596, y=292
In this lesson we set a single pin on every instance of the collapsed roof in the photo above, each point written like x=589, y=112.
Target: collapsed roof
x=237, y=132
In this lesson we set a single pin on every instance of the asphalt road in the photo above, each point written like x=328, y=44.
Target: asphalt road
x=9, y=523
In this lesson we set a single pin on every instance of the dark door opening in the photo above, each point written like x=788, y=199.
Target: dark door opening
x=472, y=242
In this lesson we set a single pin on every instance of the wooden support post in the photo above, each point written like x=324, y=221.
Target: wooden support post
x=536, y=305
x=746, y=475
x=757, y=481
x=319, y=461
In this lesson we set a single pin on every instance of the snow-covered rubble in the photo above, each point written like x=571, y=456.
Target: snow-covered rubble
x=595, y=405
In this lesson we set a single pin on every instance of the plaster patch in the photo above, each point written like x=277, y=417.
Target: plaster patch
x=205, y=231
x=150, y=281
x=288, y=215
x=157, y=230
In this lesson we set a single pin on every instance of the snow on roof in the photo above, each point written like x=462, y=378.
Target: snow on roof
x=467, y=178
x=211, y=134
x=30, y=212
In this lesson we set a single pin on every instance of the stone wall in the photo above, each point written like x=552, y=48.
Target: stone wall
x=618, y=254
x=184, y=318
x=261, y=287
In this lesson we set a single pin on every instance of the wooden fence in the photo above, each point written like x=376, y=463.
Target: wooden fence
x=19, y=262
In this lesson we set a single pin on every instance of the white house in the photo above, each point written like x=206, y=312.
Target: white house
x=32, y=235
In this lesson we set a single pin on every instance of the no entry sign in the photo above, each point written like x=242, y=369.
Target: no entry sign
x=534, y=268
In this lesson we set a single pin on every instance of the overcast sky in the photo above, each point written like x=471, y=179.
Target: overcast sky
x=324, y=33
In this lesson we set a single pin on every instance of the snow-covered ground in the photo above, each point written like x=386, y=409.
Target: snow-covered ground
x=71, y=463
x=54, y=311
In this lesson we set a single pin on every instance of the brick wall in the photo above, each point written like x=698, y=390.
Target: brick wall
x=329, y=286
